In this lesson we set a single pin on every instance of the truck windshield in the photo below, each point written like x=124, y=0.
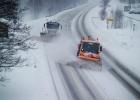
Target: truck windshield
x=52, y=25
x=91, y=47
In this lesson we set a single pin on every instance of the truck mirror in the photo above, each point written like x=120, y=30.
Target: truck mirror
x=101, y=48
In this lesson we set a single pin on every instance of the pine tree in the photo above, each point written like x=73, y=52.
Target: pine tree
x=18, y=35
x=8, y=9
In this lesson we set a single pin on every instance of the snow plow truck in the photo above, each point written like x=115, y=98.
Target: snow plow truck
x=89, y=49
x=50, y=27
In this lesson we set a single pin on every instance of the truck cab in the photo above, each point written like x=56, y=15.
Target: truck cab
x=89, y=49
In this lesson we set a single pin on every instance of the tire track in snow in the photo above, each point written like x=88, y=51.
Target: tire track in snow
x=76, y=84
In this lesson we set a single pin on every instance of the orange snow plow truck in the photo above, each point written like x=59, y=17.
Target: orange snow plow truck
x=89, y=49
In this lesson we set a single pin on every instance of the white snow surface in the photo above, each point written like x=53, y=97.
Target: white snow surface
x=36, y=82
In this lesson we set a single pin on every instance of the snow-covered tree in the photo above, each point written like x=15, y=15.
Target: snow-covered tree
x=18, y=34
x=103, y=10
x=103, y=14
x=8, y=9
x=118, y=19
x=50, y=7
x=105, y=3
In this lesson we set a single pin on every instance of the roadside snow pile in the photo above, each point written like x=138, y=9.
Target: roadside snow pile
x=122, y=43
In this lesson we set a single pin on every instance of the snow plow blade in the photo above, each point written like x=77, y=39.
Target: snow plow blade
x=89, y=58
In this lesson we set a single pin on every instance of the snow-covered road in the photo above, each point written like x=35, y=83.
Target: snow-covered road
x=108, y=62
x=76, y=85
x=69, y=77
x=55, y=73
